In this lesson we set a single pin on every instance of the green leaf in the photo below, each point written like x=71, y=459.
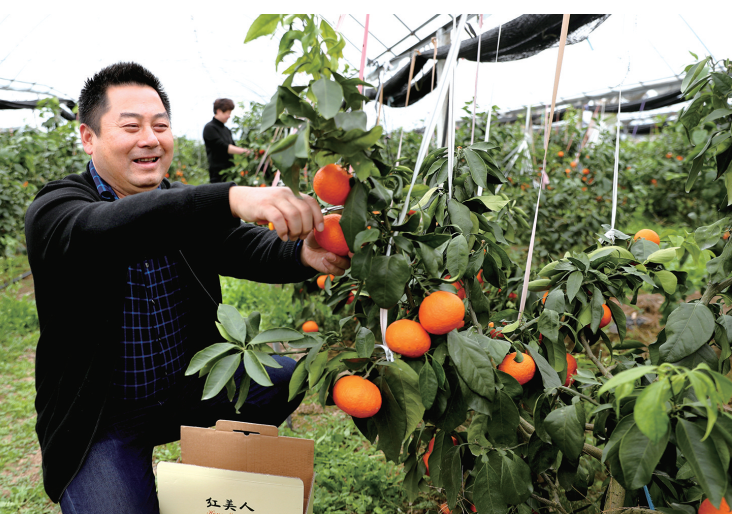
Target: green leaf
x=233, y=322
x=387, y=279
x=550, y=379
x=549, y=324
x=642, y=248
x=457, y=256
x=516, y=479
x=716, y=114
x=477, y=168
x=610, y=451
x=708, y=236
x=452, y=474
x=428, y=384
x=505, y=417
x=488, y=495
x=253, y=324
x=667, y=280
x=639, y=456
x=360, y=265
x=460, y=215
x=492, y=203
x=242, y=392
x=263, y=25
x=283, y=144
x=703, y=457
x=566, y=427
x=688, y=328
x=365, y=236
x=203, y=357
x=365, y=342
x=431, y=258
x=277, y=335
x=301, y=146
x=574, y=281
x=317, y=368
x=255, y=369
x=692, y=74
x=351, y=120
x=627, y=376
x=220, y=374
x=694, y=171
x=329, y=96
x=472, y=364
x=478, y=434
x=267, y=359
x=541, y=455
x=354, y=217
x=401, y=407
x=297, y=383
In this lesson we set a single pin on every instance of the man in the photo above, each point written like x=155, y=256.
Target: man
x=125, y=297
x=218, y=140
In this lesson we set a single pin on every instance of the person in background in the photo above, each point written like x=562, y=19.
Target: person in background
x=218, y=140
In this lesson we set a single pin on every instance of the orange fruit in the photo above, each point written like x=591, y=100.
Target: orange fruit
x=523, y=371
x=586, y=171
x=321, y=279
x=495, y=333
x=479, y=277
x=647, y=234
x=680, y=158
x=310, y=326
x=572, y=369
x=459, y=286
x=332, y=184
x=357, y=396
x=444, y=508
x=544, y=297
x=668, y=155
x=567, y=171
x=440, y=312
x=708, y=507
x=561, y=154
x=407, y=337
x=726, y=236
x=332, y=239
x=654, y=181
x=585, y=188
x=271, y=226
x=573, y=164
x=606, y=319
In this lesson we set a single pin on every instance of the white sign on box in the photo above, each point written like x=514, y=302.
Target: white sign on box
x=192, y=489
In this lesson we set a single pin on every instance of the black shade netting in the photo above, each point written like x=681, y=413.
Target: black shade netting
x=15, y=105
x=522, y=37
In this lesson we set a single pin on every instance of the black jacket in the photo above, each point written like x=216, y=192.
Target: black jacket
x=79, y=248
x=217, y=137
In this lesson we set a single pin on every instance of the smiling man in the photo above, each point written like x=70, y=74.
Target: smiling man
x=125, y=267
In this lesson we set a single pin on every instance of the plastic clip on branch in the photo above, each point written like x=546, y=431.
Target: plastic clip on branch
x=548, y=121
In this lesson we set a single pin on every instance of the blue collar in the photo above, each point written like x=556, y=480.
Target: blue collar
x=103, y=188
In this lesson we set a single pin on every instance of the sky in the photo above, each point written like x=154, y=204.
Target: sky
x=197, y=51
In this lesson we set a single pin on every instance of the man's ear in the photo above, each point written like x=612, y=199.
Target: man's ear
x=88, y=136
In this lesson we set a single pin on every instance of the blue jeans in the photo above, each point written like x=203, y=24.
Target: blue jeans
x=117, y=474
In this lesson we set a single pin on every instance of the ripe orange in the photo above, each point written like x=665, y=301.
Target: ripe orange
x=606, y=319
x=567, y=171
x=544, y=297
x=351, y=298
x=459, y=286
x=523, y=371
x=444, y=508
x=321, y=279
x=668, y=155
x=680, y=158
x=726, y=236
x=572, y=369
x=573, y=164
x=585, y=188
x=495, y=333
x=332, y=239
x=561, y=154
x=586, y=171
x=480, y=277
x=357, y=396
x=440, y=312
x=407, y=337
x=654, y=181
x=332, y=184
x=647, y=234
x=310, y=326
x=708, y=507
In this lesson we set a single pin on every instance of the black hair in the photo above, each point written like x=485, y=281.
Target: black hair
x=223, y=105
x=93, y=102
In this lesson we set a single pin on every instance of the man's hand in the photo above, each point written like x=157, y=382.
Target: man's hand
x=313, y=255
x=292, y=217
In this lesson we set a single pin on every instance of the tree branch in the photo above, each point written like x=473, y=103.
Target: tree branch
x=593, y=358
x=714, y=289
x=475, y=320
x=553, y=493
x=576, y=393
x=588, y=449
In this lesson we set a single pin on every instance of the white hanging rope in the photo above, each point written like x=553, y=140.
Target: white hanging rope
x=614, y=195
x=443, y=89
x=451, y=124
x=548, y=122
x=490, y=109
x=477, y=72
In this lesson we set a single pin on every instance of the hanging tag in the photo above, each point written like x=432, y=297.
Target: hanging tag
x=383, y=317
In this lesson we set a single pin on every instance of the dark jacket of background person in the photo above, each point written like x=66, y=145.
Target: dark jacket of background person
x=217, y=137
x=79, y=249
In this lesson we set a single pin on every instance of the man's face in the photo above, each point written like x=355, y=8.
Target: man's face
x=135, y=146
x=223, y=116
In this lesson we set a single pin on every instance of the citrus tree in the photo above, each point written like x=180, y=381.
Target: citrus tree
x=475, y=398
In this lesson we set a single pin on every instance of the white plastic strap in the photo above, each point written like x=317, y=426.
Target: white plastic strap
x=548, y=122
x=477, y=72
x=490, y=109
x=443, y=88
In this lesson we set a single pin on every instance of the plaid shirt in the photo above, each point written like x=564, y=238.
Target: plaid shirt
x=152, y=356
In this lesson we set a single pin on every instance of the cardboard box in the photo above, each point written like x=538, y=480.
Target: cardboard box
x=238, y=468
